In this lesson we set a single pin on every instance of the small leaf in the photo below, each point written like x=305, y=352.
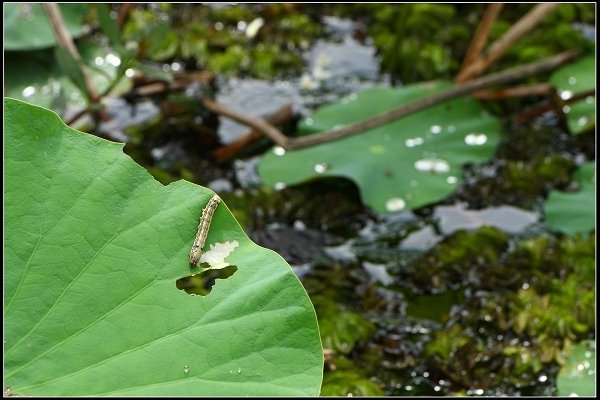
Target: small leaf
x=109, y=27
x=71, y=68
x=406, y=163
x=572, y=79
x=578, y=376
x=26, y=26
x=574, y=213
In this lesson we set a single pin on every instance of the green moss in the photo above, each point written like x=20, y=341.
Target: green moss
x=507, y=337
x=519, y=183
x=346, y=383
x=214, y=38
x=448, y=263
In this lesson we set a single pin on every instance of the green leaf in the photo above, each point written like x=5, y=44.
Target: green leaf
x=92, y=252
x=574, y=213
x=69, y=65
x=572, y=79
x=578, y=375
x=26, y=26
x=407, y=163
x=110, y=27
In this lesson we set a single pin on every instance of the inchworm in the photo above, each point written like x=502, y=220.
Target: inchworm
x=207, y=214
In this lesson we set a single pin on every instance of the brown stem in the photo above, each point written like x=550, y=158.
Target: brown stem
x=499, y=47
x=258, y=124
x=527, y=115
x=557, y=104
x=65, y=41
x=123, y=13
x=503, y=77
x=76, y=117
x=481, y=34
x=226, y=153
x=538, y=89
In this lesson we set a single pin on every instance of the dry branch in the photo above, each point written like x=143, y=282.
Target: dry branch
x=258, y=124
x=480, y=37
x=538, y=89
x=65, y=41
x=499, y=47
x=226, y=153
x=527, y=115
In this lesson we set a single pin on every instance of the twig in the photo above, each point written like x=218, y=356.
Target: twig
x=147, y=87
x=64, y=40
x=226, y=153
x=258, y=124
x=527, y=115
x=503, y=77
x=558, y=104
x=78, y=115
x=538, y=89
x=123, y=13
x=481, y=34
x=499, y=47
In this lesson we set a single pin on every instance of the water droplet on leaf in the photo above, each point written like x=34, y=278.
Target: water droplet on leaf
x=432, y=165
x=566, y=94
x=435, y=129
x=321, y=167
x=414, y=142
x=395, y=204
x=278, y=151
x=475, y=139
x=451, y=180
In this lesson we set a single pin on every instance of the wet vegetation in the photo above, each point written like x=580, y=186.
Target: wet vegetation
x=473, y=312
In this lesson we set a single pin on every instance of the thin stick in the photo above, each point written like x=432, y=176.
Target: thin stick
x=538, y=89
x=123, y=13
x=558, y=105
x=481, y=34
x=76, y=117
x=64, y=40
x=226, y=153
x=499, y=47
x=526, y=115
x=255, y=123
x=498, y=78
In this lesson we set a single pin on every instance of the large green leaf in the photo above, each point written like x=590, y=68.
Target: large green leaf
x=574, y=213
x=26, y=26
x=578, y=376
x=409, y=162
x=572, y=79
x=93, y=249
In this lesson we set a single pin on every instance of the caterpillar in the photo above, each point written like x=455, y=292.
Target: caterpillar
x=205, y=219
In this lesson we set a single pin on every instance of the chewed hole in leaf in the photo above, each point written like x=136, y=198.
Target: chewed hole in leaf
x=201, y=283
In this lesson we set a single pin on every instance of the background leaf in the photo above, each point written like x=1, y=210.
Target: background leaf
x=578, y=375
x=93, y=248
x=572, y=79
x=574, y=213
x=406, y=163
x=26, y=26
x=36, y=77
